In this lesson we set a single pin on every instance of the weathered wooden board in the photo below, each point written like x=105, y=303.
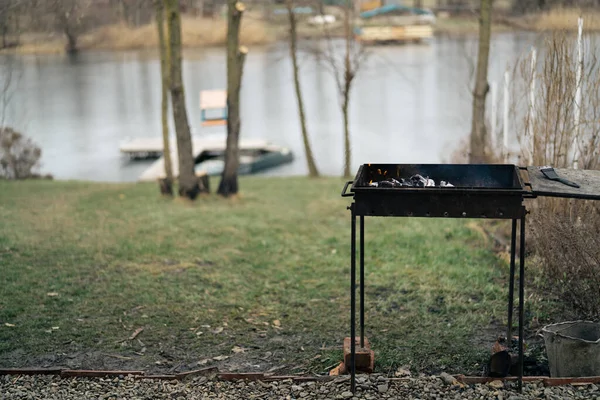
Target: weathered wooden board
x=30, y=371
x=589, y=180
x=67, y=373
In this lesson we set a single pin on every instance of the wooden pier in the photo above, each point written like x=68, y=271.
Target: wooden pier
x=136, y=148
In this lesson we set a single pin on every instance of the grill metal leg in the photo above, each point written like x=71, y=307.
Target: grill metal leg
x=521, y=300
x=362, y=281
x=353, y=300
x=511, y=283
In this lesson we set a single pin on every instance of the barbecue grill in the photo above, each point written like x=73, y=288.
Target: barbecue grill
x=492, y=191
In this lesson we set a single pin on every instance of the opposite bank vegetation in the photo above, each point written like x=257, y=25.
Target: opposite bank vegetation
x=200, y=32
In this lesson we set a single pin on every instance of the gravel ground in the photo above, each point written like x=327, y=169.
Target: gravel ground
x=369, y=387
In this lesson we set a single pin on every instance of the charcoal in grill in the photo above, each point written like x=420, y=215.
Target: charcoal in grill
x=419, y=181
x=414, y=181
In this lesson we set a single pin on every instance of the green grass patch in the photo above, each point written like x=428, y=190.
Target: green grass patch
x=84, y=265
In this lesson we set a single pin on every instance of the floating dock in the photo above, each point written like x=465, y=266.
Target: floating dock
x=140, y=147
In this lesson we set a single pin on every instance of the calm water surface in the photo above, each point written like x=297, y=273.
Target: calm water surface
x=410, y=104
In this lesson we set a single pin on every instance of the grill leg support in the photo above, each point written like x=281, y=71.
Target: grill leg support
x=521, y=299
x=511, y=283
x=352, y=300
x=362, y=281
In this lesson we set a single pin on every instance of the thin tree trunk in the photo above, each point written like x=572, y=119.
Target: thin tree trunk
x=4, y=17
x=347, y=155
x=348, y=76
x=18, y=28
x=236, y=55
x=137, y=21
x=123, y=14
x=33, y=13
x=478, y=136
x=71, y=41
x=167, y=184
x=267, y=11
x=310, y=160
x=188, y=183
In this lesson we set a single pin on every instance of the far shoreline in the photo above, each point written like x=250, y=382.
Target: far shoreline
x=198, y=33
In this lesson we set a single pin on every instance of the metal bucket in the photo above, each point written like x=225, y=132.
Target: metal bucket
x=573, y=348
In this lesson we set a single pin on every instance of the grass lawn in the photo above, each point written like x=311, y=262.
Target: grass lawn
x=260, y=282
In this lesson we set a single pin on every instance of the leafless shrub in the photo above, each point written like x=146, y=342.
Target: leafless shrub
x=570, y=255
x=565, y=233
x=559, y=136
x=19, y=156
x=72, y=18
x=343, y=58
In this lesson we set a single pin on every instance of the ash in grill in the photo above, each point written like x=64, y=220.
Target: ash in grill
x=414, y=181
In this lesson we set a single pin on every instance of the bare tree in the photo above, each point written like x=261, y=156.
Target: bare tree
x=188, y=182
x=71, y=17
x=11, y=75
x=478, y=137
x=5, y=12
x=524, y=6
x=344, y=70
x=137, y=12
x=19, y=155
x=236, y=55
x=130, y=11
x=166, y=184
x=310, y=160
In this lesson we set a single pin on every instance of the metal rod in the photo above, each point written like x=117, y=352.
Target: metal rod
x=511, y=283
x=353, y=300
x=362, y=281
x=521, y=299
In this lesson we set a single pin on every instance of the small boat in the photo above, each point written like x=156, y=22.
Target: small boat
x=395, y=23
x=209, y=154
x=251, y=161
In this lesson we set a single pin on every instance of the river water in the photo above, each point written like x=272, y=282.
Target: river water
x=410, y=104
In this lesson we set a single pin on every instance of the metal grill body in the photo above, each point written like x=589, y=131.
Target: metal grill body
x=480, y=191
